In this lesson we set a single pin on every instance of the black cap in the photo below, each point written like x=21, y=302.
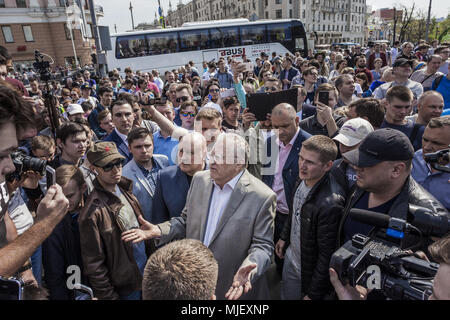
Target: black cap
x=400, y=62
x=381, y=145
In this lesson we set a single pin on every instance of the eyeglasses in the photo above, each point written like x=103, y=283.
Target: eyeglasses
x=184, y=98
x=188, y=114
x=117, y=164
x=214, y=90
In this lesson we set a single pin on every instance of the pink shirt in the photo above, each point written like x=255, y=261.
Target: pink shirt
x=278, y=184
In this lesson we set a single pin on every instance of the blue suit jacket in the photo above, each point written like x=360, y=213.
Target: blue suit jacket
x=290, y=169
x=170, y=195
x=292, y=73
x=141, y=186
x=121, y=146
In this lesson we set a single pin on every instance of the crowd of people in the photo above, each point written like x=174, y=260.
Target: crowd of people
x=143, y=161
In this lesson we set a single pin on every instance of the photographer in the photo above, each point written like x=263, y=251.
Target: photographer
x=441, y=286
x=15, y=117
x=383, y=166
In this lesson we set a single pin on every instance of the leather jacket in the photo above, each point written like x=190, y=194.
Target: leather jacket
x=411, y=193
x=107, y=260
x=320, y=216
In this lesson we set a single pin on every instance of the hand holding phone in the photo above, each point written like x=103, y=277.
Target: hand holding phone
x=323, y=97
x=51, y=176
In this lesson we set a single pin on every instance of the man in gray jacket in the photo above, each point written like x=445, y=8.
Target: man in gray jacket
x=232, y=213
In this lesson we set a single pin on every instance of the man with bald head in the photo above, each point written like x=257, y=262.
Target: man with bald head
x=280, y=165
x=232, y=213
x=430, y=105
x=174, y=181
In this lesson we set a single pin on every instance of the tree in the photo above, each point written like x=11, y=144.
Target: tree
x=406, y=20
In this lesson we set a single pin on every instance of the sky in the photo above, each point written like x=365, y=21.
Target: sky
x=117, y=11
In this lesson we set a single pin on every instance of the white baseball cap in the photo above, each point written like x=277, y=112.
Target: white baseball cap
x=74, y=109
x=214, y=106
x=353, y=132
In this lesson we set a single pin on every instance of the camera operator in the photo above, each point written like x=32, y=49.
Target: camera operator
x=441, y=285
x=436, y=137
x=383, y=166
x=15, y=117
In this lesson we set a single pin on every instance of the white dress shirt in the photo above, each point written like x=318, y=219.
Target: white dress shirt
x=122, y=136
x=219, y=201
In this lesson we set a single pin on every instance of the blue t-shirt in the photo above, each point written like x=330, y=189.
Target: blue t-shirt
x=444, y=89
x=407, y=129
x=352, y=227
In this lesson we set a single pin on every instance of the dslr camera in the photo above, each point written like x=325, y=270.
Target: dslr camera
x=24, y=163
x=438, y=160
x=379, y=262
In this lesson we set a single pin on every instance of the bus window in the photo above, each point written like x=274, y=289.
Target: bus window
x=162, y=43
x=131, y=46
x=224, y=37
x=280, y=32
x=253, y=34
x=194, y=40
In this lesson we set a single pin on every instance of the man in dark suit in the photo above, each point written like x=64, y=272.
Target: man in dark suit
x=122, y=117
x=174, y=181
x=304, y=110
x=288, y=73
x=280, y=164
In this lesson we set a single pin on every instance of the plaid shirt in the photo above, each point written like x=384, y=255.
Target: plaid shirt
x=151, y=175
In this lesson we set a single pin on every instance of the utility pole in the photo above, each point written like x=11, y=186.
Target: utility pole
x=98, y=45
x=115, y=27
x=132, y=19
x=428, y=22
x=395, y=24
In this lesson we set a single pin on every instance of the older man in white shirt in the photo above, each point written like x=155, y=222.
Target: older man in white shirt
x=237, y=224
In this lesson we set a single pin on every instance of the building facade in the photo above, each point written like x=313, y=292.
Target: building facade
x=326, y=21
x=29, y=25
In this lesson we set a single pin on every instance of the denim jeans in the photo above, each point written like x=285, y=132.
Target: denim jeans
x=36, y=264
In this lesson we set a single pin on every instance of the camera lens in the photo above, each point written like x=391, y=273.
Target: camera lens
x=34, y=164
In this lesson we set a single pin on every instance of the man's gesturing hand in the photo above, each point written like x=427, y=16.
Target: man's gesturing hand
x=145, y=232
x=347, y=292
x=241, y=282
x=54, y=205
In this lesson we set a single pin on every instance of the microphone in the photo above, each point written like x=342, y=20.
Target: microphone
x=422, y=218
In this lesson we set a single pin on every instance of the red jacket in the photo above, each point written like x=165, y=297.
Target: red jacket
x=370, y=63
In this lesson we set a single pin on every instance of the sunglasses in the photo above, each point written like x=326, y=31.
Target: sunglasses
x=116, y=164
x=184, y=99
x=214, y=90
x=188, y=114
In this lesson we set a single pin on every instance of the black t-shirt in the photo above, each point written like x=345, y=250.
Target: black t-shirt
x=352, y=227
x=408, y=130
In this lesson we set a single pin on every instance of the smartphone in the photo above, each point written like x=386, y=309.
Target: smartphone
x=228, y=93
x=11, y=289
x=50, y=173
x=248, y=67
x=323, y=97
x=83, y=292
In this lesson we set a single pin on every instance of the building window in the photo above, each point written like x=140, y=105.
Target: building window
x=278, y=14
x=7, y=34
x=277, y=1
x=21, y=3
x=69, y=32
x=28, y=33
x=2, y=3
x=290, y=13
x=303, y=14
x=63, y=3
x=89, y=31
x=267, y=15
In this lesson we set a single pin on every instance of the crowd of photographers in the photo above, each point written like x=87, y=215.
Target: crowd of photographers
x=140, y=160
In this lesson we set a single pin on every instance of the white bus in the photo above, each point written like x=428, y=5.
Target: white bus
x=167, y=49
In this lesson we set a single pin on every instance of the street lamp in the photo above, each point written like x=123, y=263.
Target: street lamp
x=132, y=19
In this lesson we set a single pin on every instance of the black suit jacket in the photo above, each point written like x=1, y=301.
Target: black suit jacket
x=121, y=146
x=308, y=110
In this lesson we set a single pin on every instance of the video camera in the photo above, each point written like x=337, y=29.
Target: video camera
x=24, y=163
x=438, y=159
x=42, y=67
x=377, y=262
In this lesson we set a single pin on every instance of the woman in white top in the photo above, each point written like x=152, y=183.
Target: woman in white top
x=340, y=65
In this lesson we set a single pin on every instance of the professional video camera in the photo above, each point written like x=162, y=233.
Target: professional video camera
x=400, y=274
x=42, y=67
x=24, y=163
x=439, y=159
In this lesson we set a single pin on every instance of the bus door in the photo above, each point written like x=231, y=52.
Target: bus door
x=210, y=55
